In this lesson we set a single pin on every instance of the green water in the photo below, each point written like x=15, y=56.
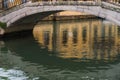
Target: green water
x=63, y=50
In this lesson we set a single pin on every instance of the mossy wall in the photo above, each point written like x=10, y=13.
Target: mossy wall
x=3, y=25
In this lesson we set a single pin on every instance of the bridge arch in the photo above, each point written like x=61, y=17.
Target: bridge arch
x=31, y=9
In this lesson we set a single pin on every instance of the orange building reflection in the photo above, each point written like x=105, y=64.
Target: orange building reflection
x=89, y=39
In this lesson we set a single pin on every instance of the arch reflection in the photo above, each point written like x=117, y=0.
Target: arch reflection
x=83, y=40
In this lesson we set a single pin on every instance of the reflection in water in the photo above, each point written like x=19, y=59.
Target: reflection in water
x=84, y=40
x=74, y=50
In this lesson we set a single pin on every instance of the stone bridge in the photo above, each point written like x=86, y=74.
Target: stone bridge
x=105, y=10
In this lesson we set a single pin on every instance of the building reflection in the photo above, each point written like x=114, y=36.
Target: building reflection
x=91, y=39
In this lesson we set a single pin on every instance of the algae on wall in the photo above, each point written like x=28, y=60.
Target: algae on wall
x=3, y=25
x=2, y=28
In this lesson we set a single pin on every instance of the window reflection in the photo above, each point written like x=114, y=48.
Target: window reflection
x=84, y=34
x=65, y=37
x=118, y=30
x=46, y=37
x=75, y=35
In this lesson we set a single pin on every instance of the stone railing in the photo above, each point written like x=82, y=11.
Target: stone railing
x=58, y=3
x=9, y=10
x=86, y=3
x=48, y=3
x=114, y=3
x=110, y=6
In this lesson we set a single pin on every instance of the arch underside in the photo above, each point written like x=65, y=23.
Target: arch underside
x=34, y=18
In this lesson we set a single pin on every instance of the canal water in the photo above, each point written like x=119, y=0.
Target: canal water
x=86, y=49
